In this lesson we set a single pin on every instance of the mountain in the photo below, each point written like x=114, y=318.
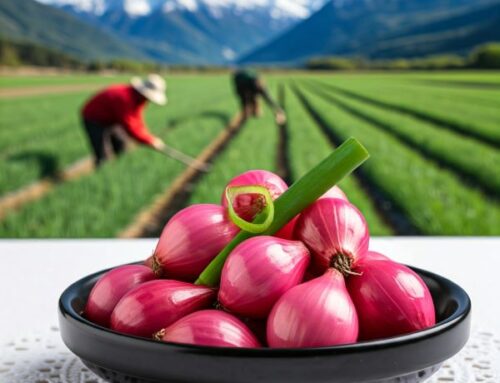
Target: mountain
x=13, y=53
x=256, y=31
x=192, y=31
x=279, y=8
x=455, y=34
x=27, y=20
x=381, y=28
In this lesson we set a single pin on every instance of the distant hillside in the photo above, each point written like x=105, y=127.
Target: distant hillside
x=176, y=37
x=455, y=34
x=21, y=53
x=28, y=20
x=207, y=32
x=383, y=28
x=192, y=31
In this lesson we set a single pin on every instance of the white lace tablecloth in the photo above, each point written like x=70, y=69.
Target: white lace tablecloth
x=34, y=273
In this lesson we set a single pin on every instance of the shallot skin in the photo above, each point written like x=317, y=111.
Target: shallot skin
x=110, y=288
x=191, y=239
x=374, y=256
x=286, y=232
x=258, y=272
x=247, y=205
x=318, y=313
x=212, y=328
x=330, y=228
x=390, y=300
x=157, y=304
x=149, y=262
x=335, y=192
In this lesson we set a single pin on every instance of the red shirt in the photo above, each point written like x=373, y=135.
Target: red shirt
x=119, y=105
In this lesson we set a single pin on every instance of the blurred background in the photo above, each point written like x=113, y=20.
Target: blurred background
x=417, y=81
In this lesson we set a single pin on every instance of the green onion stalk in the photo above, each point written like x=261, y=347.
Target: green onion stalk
x=339, y=164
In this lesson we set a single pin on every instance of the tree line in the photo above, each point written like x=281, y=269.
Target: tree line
x=13, y=54
x=486, y=56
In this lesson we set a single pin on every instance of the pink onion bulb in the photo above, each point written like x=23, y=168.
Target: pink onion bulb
x=110, y=288
x=157, y=304
x=258, y=272
x=191, y=239
x=336, y=233
x=390, y=300
x=210, y=328
x=317, y=313
x=335, y=192
x=374, y=256
x=149, y=262
x=286, y=232
x=247, y=206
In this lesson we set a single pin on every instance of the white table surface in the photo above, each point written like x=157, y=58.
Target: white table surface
x=33, y=273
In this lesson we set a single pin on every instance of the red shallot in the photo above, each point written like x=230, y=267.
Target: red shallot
x=247, y=206
x=336, y=233
x=210, y=328
x=314, y=314
x=191, y=239
x=258, y=272
x=390, y=300
x=157, y=304
x=110, y=288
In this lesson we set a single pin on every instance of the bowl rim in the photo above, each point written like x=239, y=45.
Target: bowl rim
x=461, y=313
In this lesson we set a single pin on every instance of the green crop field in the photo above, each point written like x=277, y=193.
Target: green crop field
x=57, y=80
x=434, y=140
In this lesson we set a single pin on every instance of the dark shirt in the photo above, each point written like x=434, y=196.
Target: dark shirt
x=247, y=81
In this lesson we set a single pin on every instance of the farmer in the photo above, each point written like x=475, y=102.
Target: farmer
x=114, y=115
x=249, y=86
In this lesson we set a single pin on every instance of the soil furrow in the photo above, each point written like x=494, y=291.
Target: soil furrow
x=44, y=90
x=36, y=190
x=282, y=161
x=460, y=84
x=150, y=221
x=386, y=207
x=469, y=179
x=451, y=126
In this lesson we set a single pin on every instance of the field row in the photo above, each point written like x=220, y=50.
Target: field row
x=434, y=200
x=424, y=177
x=43, y=140
x=443, y=146
x=25, y=81
x=253, y=148
x=103, y=203
x=97, y=206
x=476, y=121
x=308, y=145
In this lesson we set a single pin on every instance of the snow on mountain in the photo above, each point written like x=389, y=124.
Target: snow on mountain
x=137, y=7
x=294, y=9
x=97, y=7
x=173, y=5
x=278, y=8
x=207, y=31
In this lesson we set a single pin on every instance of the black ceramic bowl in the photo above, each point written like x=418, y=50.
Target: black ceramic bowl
x=409, y=358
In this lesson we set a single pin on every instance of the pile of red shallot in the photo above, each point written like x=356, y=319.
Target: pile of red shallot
x=313, y=283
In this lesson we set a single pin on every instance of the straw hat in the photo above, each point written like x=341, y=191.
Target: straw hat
x=153, y=87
